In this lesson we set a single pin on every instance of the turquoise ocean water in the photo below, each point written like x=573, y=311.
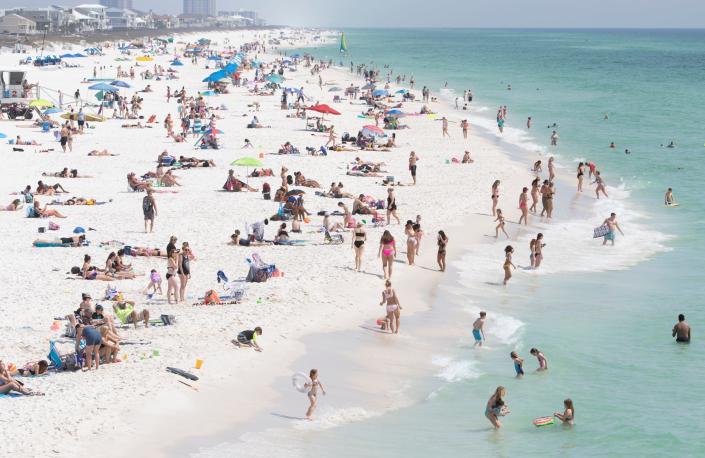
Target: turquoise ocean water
x=603, y=318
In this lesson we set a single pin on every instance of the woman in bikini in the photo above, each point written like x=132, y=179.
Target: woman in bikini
x=389, y=297
x=442, y=244
x=532, y=252
x=495, y=196
x=581, y=173
x=410, y=242
x=494, y=406
x=38, y=212
x=13, y=206
x=387, y=251
x=534, y=195
x=172, y=285
x=184, y=268
x=538, y=250
x=500, y=226
x=358, y=244
x=313, y=386
x=508, y=251
x=89, y=272
x=551, y=169
x=391, y=206
x=524, y=206
x=418, y=233
x=568, y=414
x=537, y=168
x=549, y=199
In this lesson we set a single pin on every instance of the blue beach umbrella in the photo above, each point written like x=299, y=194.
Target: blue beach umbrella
x=215, y=76
x=395, y=112
x=402, y=91
x=231, y=67
x=276, y=79
x=176, y=63
x=2, y=135
x=103, y=87
x=380, y=93
x=120, y=84
x=52, y=110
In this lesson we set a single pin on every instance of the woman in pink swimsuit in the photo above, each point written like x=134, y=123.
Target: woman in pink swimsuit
x=523, y=206
x=387, y=251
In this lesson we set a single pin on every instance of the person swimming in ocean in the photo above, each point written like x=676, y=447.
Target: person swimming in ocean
x=681, y=331
x=543, y=363
x=518, y=364
x=478, y=329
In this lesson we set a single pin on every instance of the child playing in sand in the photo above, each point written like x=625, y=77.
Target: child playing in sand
x=155, y=282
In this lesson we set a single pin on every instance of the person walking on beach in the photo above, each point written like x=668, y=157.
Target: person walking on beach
x=184, y=268
x=611, y=224
x=534, y=195
x=466, y=127
x=314, y=385
x=445, y=127
x=149, y=208
x=581, y=174
x=81, y=117
x=391, y=206
x=387, y=251
x=411, y=242
x=681, y=331
x=389, y=297
x=500, y=225
x=549, y=200
x=543, y=363
x=442, y=245
x=508, y=251
x=551, y=169
x=495, y=407
x=544, y=193
x=64, y=136
x=478, y=329
x=538, y=250
x=600, y=185
x=524, y=206
x=495, y=196
x=413, y=158
x=358, y=244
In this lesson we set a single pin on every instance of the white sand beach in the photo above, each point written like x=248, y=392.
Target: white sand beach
x=136, y=401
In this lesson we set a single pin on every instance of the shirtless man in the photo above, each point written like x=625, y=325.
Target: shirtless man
x=478, y=331
x=412, y=165
x=612, y=224
x=681, y=331
x=554, y=138
x=668, y=198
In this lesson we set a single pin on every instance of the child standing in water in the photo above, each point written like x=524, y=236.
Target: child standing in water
x=508, y=263
x=313, y=392
x=518, y=364
x=478, y=331
x=543, y=363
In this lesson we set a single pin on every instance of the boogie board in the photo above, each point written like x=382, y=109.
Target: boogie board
x=299, y=380
x=182, y=373
x=674, y=204
x=601, y=231
x=543, y=421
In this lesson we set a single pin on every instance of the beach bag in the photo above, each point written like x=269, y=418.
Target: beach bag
x=211, y=297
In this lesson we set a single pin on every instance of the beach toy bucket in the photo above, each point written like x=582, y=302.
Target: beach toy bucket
x=199, y=363
x=124, y=357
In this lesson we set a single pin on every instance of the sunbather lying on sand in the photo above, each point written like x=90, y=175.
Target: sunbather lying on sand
x=144, y=251
x=104, y=152
x=65, y=173
x=73, y=241
x=196, y=162
x=336, y=191
x=237, y=240
x=300, y=180
x=13, y=206
x=135, y=184
x=9, y=384
x=138, y=125
x=19, y=141
x=169, y=180
x=262, y=173
x=232, y=184
x=45, y=190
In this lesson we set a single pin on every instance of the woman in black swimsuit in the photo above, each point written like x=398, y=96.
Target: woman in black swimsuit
x=172, y=285
x=391, y=206
x=358, y=244
x=442, y=243
x=581, y=168
x=184, y=269
x=495, y=197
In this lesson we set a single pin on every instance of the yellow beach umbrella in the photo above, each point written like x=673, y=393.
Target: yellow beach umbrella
x=41, y=103
x=144, y=59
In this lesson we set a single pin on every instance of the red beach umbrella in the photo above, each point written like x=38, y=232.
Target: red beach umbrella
x=323, y=108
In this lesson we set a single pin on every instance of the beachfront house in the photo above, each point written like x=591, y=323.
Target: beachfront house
x=97, y=18
x=17, y=25
x=121, y=18
x=50, y=18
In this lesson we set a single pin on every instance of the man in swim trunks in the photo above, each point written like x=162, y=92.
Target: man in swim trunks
x=412, y=165
x=478, y=331
x=248, y=338
x=668, y=198
x=612, y=224
x=681, y=331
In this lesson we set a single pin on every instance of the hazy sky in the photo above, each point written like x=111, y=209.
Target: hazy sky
x=451, y=13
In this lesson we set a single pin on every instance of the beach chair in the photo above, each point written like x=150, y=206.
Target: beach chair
x=333, y=239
